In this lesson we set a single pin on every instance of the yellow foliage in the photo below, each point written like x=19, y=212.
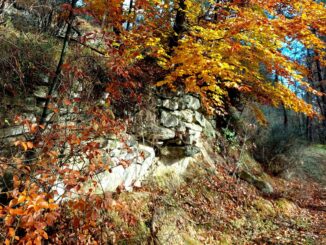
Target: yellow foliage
x=214, y=56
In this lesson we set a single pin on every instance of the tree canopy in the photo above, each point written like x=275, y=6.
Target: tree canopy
x=227, y=52
x=214, y=47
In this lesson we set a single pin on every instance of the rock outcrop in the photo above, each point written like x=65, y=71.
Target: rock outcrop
x=163, y=139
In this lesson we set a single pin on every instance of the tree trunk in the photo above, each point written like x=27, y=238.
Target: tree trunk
x=56, y=77
x=179, y=24
x=322, y=89
x=129, y=13
x=285, y=117
x=30, y=156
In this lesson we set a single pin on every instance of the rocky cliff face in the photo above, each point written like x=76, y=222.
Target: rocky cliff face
x=164, y=138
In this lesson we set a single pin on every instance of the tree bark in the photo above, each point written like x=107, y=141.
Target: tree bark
x=322, y=89
x=179, y=24
x=30, y=156
x=56, y=77
x=285, y=117
x=129, y=13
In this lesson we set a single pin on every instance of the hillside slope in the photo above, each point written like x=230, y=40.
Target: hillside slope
x=209, y=206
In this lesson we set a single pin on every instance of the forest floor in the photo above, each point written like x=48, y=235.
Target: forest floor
x=213, y=207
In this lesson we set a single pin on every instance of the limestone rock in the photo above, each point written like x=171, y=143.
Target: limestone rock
x=29, y=116
x=30, y=101
x=130, y=175
x=168, y=172
x=146, y=163
x=44, y=79
x=176, y=152
x=181, y=128
x=146, y=126
x=110, y=181
x=261, y=185
x=191, y=150
x=141, y=159
x=189, y=102
x=41, y=92
x=173, y=151
x=170, y=104
x=185, y=115
x=193, y=127
x=200, y=119
x=12, y=131
x=169, y=120
x=192, y=137
x=208, y=129
x=144, y=119
x=167, y=93
x=157, y=133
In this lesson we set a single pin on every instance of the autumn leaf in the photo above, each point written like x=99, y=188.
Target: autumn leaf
x=66, y=102
x=11, y=232
x=16, y=211
x=30, y=145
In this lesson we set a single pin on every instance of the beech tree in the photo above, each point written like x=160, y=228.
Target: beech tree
x=213, y=48
x=219, y=50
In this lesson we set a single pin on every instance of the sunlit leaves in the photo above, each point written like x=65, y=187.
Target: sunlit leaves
x=214, y=56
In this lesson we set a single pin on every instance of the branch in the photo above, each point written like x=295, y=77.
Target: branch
x=85, y=45
x=60, y=63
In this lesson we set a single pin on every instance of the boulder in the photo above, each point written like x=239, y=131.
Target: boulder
x=208, y=129
x=193, y=127
x=12, y=131
x=41, y=92
x=192, y=137
x=157, y=133
x=110, y=181
x=260, y=184
x=169, y=120
x=189, y=102
x=170, y=104
x=185, y=115
x=191, y=150
x=200, y=119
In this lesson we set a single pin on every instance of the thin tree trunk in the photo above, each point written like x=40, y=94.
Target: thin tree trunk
x=31, y=155
x=56, y=77
x=322, y=89
x=285, y=117
x=129, y=13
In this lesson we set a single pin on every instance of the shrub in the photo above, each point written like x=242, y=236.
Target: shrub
x=278, y=148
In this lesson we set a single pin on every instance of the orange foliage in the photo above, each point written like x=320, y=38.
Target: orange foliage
x=224, y=46
x=230, y=51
